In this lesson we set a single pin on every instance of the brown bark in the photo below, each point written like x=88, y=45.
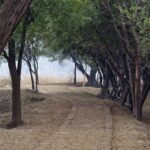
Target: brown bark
x=92, y=78
x=105, y=93
x=35, y=65
x=31, y=75
x=75, y=74
x=11, y=13
x=124, y=95
x=137, y=107
x=145, y=91
x=16, y=101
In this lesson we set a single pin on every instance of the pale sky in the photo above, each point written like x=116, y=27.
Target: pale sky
x=46, y=68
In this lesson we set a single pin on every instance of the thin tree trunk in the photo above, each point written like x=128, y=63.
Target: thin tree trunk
x=36, y=82
x=137, y=110
x=124, y=95
x=75, y=74
x=31, y=75
x=105, y=93
x=100, y=79
x=145, y=91
x=35, y=64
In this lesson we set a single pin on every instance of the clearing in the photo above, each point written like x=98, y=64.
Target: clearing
x=63, y=117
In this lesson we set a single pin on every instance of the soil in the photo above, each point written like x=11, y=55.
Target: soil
x=72, y=118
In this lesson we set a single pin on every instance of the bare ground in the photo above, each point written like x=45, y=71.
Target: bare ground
x=72, y=118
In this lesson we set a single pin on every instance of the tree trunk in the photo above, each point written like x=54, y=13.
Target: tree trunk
x=100, y=79
x=35, y=65
x=137, y=107
x=75, y=74
x=11, y=13
x=105, y=93
x=137, y=110
x=36, y=82
x=124, y=95
x=16, y=101
x=92, y=80
x=145, y=91
x=31, y=75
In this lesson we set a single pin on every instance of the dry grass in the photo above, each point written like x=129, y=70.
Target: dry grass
x=45, y=80
x=5, y=82
x=72, y=118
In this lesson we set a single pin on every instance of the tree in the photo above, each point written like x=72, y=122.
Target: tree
x=15, y=71
x=31, y=54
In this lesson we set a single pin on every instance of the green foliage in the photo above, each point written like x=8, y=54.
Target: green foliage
x=1, y=2
x=138, y=18
x=61, y=26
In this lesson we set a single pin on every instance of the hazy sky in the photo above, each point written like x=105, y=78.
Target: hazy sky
x=46, y=67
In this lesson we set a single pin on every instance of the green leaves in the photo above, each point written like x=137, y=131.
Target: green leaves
x=63, y=25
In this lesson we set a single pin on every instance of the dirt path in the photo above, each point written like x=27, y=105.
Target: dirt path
x=87, y=127
x=74, y=118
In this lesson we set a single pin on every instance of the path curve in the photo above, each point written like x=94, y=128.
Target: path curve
x=88, y=127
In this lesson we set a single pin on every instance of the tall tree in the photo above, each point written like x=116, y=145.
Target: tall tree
x=15, y=70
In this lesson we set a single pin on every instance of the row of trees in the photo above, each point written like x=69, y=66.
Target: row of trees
x=112, y=37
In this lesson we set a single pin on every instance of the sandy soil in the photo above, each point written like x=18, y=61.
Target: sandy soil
x=72, y=118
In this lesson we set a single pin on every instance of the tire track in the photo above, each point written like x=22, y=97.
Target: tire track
x=87, y=127
x=67, y=121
